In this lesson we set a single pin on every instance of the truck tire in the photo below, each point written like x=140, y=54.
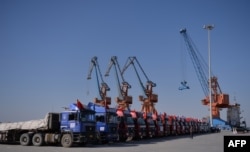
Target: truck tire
x=67, y=140
x=37, y=139
x=25, y=139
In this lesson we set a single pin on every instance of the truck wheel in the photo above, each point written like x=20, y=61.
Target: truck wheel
x=25, y=139
x=67, y=140
x=37, y=140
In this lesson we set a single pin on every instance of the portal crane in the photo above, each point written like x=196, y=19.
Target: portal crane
x=149, y=98
x=219, y=99
x=102, y=87
x=123, y=100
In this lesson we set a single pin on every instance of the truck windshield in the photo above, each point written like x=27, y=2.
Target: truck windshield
x=150, y=121
x=141, y=121
x=129, y=120
x=86, y=116
x=111, y=118
x=159, y=122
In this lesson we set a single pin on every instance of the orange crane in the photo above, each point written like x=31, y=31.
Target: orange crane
x=102, y=87
x=219, y=99
x=153, y=125
x=149, y=98
x=123, y=100
x=126, y=125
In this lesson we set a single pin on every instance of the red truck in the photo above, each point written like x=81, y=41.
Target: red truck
x=159, y=128
x=126, y=125
x=166, y=124
x=150, y=125
x=140, y=125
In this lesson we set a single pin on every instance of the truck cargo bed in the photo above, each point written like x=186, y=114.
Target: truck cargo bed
x=41, y=124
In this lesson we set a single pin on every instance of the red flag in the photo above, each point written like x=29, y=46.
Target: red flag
x=79, y=104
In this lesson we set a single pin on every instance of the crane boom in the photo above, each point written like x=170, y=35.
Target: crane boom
x=219, y=100
x=123, y=100
x=102, y=87
x=199, y=64
x=130, y=61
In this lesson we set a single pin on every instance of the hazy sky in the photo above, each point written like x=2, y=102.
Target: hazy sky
x=46, y=47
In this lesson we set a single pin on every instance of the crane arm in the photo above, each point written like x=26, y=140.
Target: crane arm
x=92, y=65
x=131, y=61
x=113, y=62
x=199, y=64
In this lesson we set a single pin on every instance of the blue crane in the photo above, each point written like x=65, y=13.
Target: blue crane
x=199, y=63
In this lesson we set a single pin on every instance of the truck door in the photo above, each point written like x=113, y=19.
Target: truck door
x=69, y=122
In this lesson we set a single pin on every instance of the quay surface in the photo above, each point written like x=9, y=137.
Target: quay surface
x=212, y=142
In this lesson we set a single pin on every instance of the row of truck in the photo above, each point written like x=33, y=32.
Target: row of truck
x=82, y=124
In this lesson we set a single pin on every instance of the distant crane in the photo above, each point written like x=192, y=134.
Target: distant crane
x=149, y=98
x=123, y=100
x=102, y=87
x=219, y=99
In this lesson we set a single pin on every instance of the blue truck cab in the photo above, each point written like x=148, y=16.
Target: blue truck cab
x=106, y=123
x=78, y=125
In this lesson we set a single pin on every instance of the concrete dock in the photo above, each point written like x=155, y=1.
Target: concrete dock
x=212, y=142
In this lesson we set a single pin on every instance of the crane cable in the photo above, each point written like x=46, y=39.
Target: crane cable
x=183, y=66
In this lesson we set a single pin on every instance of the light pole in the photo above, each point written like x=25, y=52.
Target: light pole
x=209, y=28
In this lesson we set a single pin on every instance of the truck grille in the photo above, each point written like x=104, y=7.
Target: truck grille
x=90, y=128
x=113, y=129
